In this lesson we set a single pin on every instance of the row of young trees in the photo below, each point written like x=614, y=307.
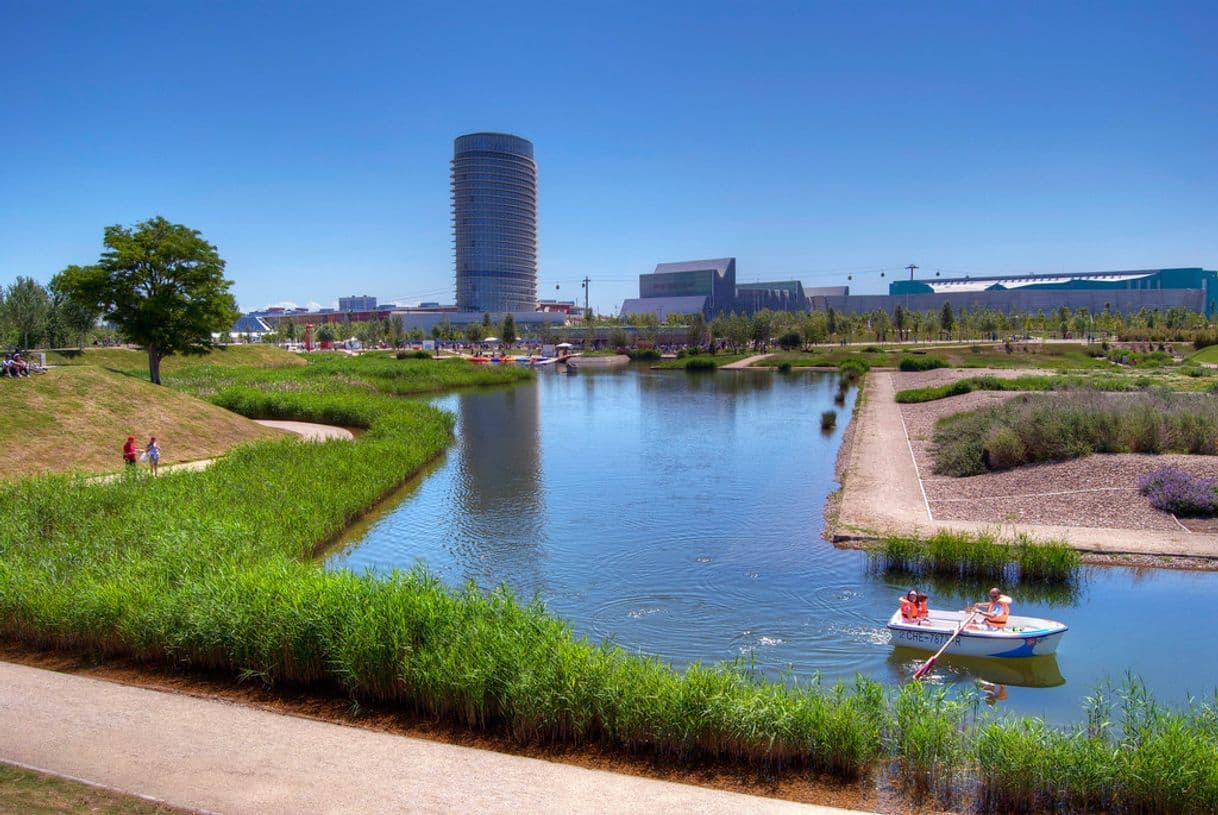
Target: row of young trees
x=36, y=316
x=796, y=329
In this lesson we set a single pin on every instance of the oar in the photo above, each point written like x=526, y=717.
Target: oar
x=926, y=667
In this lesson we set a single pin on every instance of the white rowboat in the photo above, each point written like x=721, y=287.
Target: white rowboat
x=1020, y=637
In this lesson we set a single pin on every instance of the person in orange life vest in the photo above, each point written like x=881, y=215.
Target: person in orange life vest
x=996, y=611
x=923, y=609
x=909, y=607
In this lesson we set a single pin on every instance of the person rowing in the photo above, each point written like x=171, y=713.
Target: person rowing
x=996, y=610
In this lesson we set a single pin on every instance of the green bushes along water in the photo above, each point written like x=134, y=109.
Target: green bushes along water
x=1030, y=429
x=212, y=570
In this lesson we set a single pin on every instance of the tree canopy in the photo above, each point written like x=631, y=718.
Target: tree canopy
x=162, y=284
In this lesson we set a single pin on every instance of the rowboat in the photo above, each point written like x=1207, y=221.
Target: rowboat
x=1020, y=637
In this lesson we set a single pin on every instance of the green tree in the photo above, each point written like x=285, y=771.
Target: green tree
x=474, y=332
x=162, y=284
x=947, y=319
x=397, y=331
x=509, y=329
x=697, y=332
x=326, y=332
x=70, y=317
x=27, y=307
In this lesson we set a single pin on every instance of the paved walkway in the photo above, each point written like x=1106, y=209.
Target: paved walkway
x=217, y=756
x=743, y=363
x=882, y=493
x=307, y=431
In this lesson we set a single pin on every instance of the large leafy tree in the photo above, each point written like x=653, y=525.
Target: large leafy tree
x=162, y=284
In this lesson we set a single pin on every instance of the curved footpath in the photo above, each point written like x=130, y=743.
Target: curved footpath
x=882, y=494
x=218, y=756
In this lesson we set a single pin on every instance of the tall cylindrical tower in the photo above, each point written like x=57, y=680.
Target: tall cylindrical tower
x=494, y=180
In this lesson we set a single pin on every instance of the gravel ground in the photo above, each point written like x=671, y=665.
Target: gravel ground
x=1096, y=491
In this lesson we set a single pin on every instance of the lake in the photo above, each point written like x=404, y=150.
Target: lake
x=681, y=515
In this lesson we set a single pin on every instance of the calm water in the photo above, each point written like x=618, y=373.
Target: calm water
x=681, y=516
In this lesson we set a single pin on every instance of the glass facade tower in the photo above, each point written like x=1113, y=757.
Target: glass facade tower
x=494, y=186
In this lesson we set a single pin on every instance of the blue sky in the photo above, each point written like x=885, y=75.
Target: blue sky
x=310, y=141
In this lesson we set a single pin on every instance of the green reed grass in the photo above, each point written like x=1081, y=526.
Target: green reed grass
x=963, y=555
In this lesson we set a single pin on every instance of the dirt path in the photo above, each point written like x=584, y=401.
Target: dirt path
x=216, y=756
x=882, y=493
x=744, y=363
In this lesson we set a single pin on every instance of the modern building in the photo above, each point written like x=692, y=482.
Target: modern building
x=1194, y=288
x=709, y=287
x=713, y=279
x=494, y=209
x=780, y=295
x=361, y=302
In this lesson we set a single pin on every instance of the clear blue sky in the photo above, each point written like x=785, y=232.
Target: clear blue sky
x=310, y=141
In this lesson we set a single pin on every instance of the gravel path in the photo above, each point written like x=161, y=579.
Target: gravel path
x=216, y=756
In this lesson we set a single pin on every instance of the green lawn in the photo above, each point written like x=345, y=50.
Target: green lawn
x=1208, y=354
x=32, y=793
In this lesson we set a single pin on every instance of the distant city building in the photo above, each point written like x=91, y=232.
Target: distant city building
x=783, y=295
x=713, y=279
x=1194, y=289
x=494, y=209
x=361, y=302
x=709, y=287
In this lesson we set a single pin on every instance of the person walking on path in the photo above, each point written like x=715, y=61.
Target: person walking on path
x=153, y=451
x=130, y=451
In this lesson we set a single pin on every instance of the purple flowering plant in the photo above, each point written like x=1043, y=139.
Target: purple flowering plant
x=1173, y=490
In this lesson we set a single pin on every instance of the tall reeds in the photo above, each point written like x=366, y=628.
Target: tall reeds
x=963, y=555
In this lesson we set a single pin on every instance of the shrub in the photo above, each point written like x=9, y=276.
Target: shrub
x=828, y=420
x=1173, y=490
x=412, y=355
x=1002, y=448
x=643, y=354
x=699, y=364
x=790, y=340
x=1071, y=426
x=873, y=349
x=785, y=366
x=912, y=363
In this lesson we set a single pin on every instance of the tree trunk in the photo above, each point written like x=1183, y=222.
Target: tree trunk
x=154, y=365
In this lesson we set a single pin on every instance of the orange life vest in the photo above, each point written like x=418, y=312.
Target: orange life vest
x=997, y=613
x=909, y=609
x=923, y=611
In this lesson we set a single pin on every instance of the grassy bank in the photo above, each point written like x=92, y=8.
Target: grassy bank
x=1037, y=428
x=32, y=793
x=76, y=419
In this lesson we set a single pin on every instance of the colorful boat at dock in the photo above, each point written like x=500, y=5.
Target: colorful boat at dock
x=1020, y=637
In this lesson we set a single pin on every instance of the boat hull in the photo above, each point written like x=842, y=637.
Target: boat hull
x=1021, y=637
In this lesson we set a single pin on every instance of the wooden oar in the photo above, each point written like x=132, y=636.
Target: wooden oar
x=918, y=674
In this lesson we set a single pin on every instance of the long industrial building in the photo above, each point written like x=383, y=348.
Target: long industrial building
x=1193, y=288
x=709, y=287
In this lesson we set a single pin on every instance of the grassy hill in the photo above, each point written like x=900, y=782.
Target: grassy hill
x=76, y=417
x=136, y=362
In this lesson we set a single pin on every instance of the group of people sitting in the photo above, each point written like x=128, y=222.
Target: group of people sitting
x=992, y=613
x=14, y=365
